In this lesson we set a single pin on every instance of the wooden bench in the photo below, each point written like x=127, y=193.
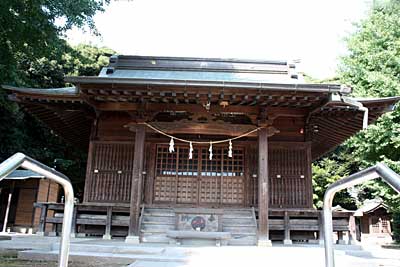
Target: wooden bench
x=219, y=237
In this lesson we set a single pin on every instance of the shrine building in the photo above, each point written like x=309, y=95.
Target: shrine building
x=183, y=149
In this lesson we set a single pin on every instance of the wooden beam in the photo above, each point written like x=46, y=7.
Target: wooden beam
x=225, y=129
x=136, y=188
x=273, y=112
x=107, y=106
x=263, y=195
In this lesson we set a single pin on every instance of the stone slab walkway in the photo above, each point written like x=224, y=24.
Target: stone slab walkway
x=279, y=256
x=116, y=251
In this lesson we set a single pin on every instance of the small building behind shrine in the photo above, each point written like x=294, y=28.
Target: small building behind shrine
x=199, y=148
x=375, y=222
x=19, y=191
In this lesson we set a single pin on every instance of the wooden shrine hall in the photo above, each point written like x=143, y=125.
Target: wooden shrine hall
x=217, y=150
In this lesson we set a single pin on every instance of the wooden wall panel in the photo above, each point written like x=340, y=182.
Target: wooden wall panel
x=110, y=126
x=232, y=190
x=109, y=172
x=252, y=182
x=288, y=177
x=187, y=190
x=24, y=213
x=164, y=189
x=290, y=184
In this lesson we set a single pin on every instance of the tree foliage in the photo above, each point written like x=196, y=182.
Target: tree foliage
x=33, y=29
x=372, y=69
x=22, y=132
x=326, y=172
x=34, y=53
x=373, y=66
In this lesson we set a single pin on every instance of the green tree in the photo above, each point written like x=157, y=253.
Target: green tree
x=372, y=69
x=372, y=66
x=22, y=132
x=33, y=29
x=34, y=53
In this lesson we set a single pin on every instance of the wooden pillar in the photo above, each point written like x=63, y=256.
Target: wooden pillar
x=8, y=207
x=287, y=240
x=107, y=234
x=136, y=187
x=7, y=212
x=263, y=196
x=321, y=227
x=352, y=230
x=73, y=225
x=42, y=221
x=340, y=240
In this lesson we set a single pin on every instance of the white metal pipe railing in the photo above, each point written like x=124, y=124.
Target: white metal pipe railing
x=21, y=160
x=379, y=170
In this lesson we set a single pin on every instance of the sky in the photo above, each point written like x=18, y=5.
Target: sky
x=312, y=31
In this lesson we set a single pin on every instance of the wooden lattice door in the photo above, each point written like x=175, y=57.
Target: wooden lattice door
x=109, y=172
x=199, y=181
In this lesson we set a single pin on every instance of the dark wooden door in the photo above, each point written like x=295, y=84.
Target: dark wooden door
x=199, y=181
x=109, y=172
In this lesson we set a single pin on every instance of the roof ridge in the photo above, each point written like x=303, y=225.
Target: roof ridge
x=211, y=59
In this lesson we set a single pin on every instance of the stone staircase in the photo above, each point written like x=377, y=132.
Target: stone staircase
x=155, y=224
x=239, y=222
x=242, y=225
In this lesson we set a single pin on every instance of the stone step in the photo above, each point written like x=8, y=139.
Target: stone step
x=235, y=216
x=239, y=229
x=157, y=222
x=25, y=244
x=158, y=227
x=243, y=235
x=152, y=219
x=159, y=210
x=112, y=247
x=155, y=238
x=92, y=257
x=239, y=224
x=243, y=241
x=238, y=213
x=154, y=230
x=158, y=214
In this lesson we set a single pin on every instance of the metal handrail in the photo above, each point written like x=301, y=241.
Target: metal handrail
x=379, y=170
x=21, y=160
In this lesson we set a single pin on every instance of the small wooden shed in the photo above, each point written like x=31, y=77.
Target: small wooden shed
x=18, y=192
x=375, y=221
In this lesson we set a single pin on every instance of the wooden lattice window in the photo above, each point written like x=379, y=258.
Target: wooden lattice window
x=166, y=162
x=233, y=166
x=211, y=167
x=379, y=225
x=199, y=180
x=186, y=166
